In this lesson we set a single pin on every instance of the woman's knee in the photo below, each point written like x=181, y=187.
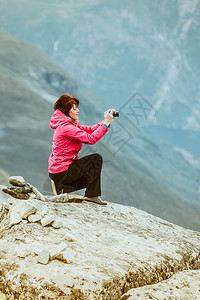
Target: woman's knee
x=98, y=158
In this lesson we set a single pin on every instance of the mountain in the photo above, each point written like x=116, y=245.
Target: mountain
x=30, y=84
x=116, y=48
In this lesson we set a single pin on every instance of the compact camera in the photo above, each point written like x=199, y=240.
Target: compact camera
x=115, y=113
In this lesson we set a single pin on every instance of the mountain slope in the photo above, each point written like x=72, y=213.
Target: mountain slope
x=30, y=83
x=116, y=48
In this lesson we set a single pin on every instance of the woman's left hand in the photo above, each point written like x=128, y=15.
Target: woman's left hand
x=108, y=111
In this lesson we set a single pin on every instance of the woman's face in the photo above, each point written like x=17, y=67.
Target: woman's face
x=74, y=111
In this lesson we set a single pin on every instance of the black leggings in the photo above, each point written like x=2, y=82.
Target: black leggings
x=82, y=173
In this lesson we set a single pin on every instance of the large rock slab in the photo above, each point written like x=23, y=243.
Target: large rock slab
x=117, y=248
x=183, y=285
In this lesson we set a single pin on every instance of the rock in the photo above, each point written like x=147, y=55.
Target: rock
x=11, y=201
x=24, y=251
x=2, y=296
x=74, y=198
x=66, y=256
x=119, y=248
x=24, y=221
x=17, y=181
x=37, y=250
x=47, y=220
x=7, y=205
x=36, y=192
x=62, y=198
x=34, y=218
x=15, y=218
x=184, y=286
x=43, y=257
x=61, y=247
x=57, y=223
x=69, y=237
x=23, y=208
x=17, y=192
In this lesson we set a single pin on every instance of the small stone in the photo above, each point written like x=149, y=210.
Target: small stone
x=17, y=181
x=23, y=208
x=66, y=256
x=69, y=237
x=23, y=251
x=47, y=220
x=44, y=212
x=37, y=250
x=15, y=218
x=11, y=201
x=62, y=246
x=34, y=218
x=57, y=223
x=62, y=198
x=7, y=205
x=43, y=257
x=36, y=192
x=24, y=221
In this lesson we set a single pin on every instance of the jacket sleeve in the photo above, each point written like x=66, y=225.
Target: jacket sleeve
x=75, y=133
x=90, y=129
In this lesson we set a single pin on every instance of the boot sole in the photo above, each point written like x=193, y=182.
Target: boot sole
x=96, y=203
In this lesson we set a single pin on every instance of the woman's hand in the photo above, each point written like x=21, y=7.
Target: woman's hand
x=108, y=115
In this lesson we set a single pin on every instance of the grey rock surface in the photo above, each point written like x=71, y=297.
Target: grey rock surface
x=17, y=180
x=117, y=249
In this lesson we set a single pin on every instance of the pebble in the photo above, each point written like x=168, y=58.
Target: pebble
x=66, y=256
x=57, y=223
x=47, y=220
x=23, y=208
x=34, y=218
x=23, y=252
x=69, y=237
x=15, y=218
x=17, y=181
x=43, y=257
x=62, y=246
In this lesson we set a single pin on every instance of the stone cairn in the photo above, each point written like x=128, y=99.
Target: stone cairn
x=22, y=211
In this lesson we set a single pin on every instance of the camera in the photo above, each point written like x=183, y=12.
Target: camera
x=115, y=113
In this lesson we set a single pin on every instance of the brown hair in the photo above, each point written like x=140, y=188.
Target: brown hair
x=65, y=103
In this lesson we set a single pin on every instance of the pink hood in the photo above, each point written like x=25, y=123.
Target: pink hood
x=68, y=139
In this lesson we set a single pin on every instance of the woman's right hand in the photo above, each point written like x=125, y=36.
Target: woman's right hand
x=108, y=115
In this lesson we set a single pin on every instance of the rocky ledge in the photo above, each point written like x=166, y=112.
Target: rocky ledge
x=111, y=252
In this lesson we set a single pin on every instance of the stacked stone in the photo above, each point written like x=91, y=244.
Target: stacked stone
x=18, y=188
x=21, y=210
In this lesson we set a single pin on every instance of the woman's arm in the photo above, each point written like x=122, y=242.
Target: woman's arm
x=90, y=129
x=77, y=134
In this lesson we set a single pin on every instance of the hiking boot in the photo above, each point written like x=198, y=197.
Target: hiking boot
x=95, y=200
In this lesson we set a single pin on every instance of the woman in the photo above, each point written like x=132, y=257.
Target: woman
x=68, y=172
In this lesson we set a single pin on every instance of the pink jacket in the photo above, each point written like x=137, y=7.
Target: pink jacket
x=68, y=139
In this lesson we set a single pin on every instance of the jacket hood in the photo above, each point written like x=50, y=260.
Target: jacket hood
x=59, y=118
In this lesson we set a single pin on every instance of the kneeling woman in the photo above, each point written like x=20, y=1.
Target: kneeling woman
x=68, y=172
